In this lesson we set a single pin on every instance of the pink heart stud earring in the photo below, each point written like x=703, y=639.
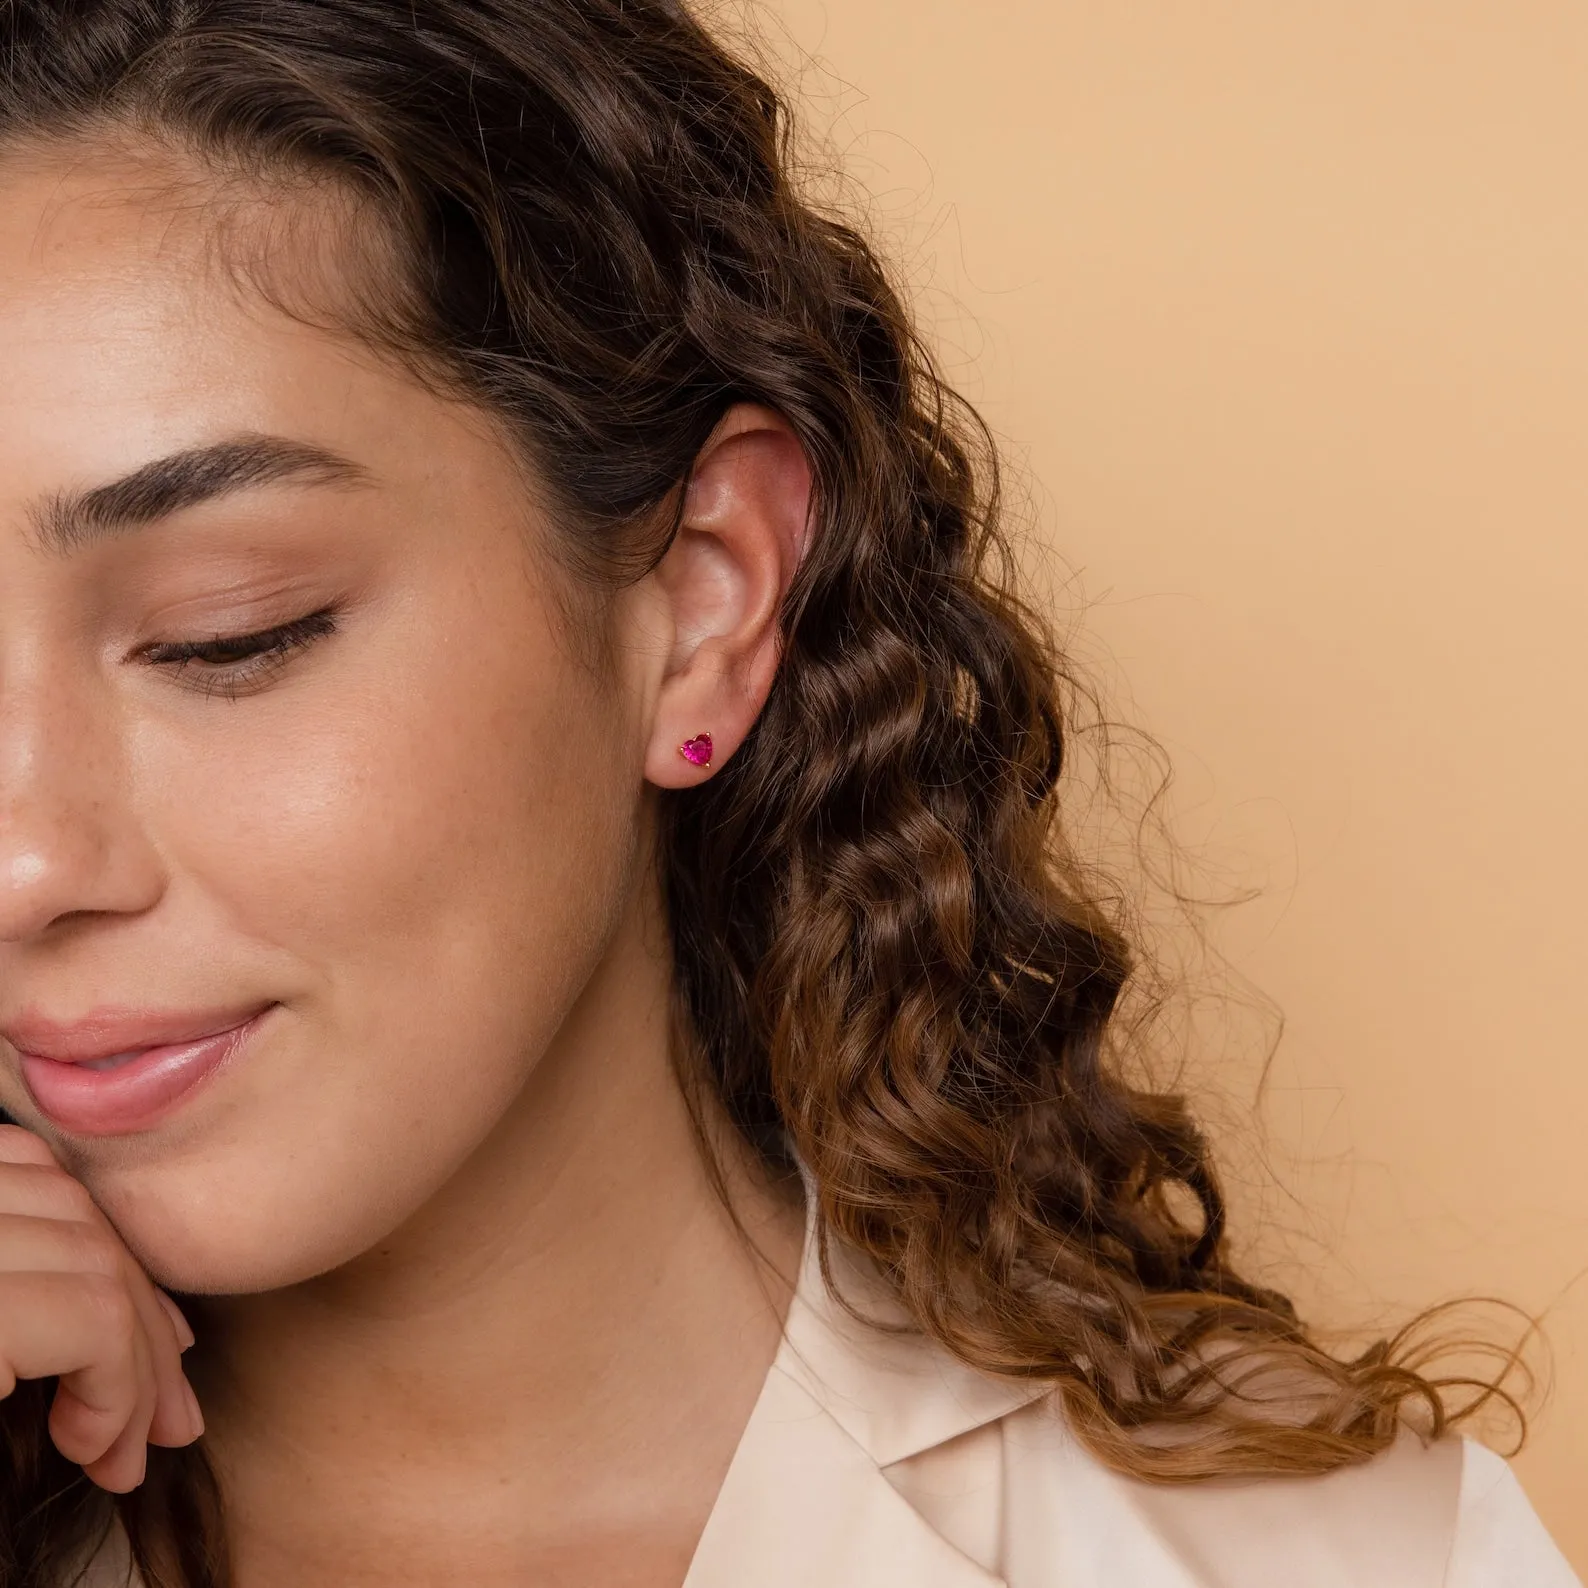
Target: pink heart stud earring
x=697, y=751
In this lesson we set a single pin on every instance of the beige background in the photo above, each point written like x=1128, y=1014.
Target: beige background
x=1283, y=308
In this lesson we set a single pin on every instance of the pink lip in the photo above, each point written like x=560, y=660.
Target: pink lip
x=169, y=1057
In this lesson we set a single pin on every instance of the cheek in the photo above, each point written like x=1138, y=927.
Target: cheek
x=424, y=864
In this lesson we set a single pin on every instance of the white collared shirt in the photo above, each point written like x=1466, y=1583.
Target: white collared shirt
x=878, y=1460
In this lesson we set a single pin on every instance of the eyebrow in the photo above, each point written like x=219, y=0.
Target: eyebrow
x=66, y=521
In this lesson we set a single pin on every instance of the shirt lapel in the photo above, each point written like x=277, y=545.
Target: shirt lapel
x=804, y=1506
x=806, y=1503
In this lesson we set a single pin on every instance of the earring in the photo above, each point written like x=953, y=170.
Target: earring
x=697, y=751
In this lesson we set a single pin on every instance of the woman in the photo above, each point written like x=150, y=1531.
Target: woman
x=532, y=898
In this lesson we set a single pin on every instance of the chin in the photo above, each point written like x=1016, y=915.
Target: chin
x=200, y=1232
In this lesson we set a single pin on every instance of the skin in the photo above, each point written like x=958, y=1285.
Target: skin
x=467, y=1307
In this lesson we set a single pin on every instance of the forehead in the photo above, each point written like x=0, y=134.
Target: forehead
x=79, y=221
x=127, y=329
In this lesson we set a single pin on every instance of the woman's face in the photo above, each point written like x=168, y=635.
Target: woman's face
x=403, y=842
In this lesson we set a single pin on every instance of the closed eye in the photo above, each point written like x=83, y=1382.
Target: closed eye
x=231, y=664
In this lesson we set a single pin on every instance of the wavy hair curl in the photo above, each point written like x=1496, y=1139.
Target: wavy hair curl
x=890, y=967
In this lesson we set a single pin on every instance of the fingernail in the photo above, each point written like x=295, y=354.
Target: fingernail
x=195, y=1416
x=184, y=1332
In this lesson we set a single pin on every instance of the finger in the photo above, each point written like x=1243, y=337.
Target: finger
x=178, y=1418
x=184, y=1330
x=175, y=1417
x=125, y=1463
x=46, y=1191
x=69, y=1231
x=24, y=1146
x=38, y=1245
x=65, y=1246
x=84, y=1329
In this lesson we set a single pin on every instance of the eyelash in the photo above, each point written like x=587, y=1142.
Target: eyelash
x=234, y=662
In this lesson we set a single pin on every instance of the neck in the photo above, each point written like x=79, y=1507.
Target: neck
x=563, y=1346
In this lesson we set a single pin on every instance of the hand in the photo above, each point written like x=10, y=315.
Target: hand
x=75, y=1303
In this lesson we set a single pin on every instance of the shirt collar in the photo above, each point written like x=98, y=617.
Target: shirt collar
x=892, y=1390
x=806, y=1500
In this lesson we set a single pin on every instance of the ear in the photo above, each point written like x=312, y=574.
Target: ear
x=745, y=526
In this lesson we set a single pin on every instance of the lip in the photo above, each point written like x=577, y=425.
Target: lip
x=167, y=1057
x=118, y=1029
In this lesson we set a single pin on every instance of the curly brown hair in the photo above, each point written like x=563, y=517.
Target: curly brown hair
x=890, y=967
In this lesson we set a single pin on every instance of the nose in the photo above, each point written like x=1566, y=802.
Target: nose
x=70, y=843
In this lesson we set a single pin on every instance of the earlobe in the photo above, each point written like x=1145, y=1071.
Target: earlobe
x=744, y=530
